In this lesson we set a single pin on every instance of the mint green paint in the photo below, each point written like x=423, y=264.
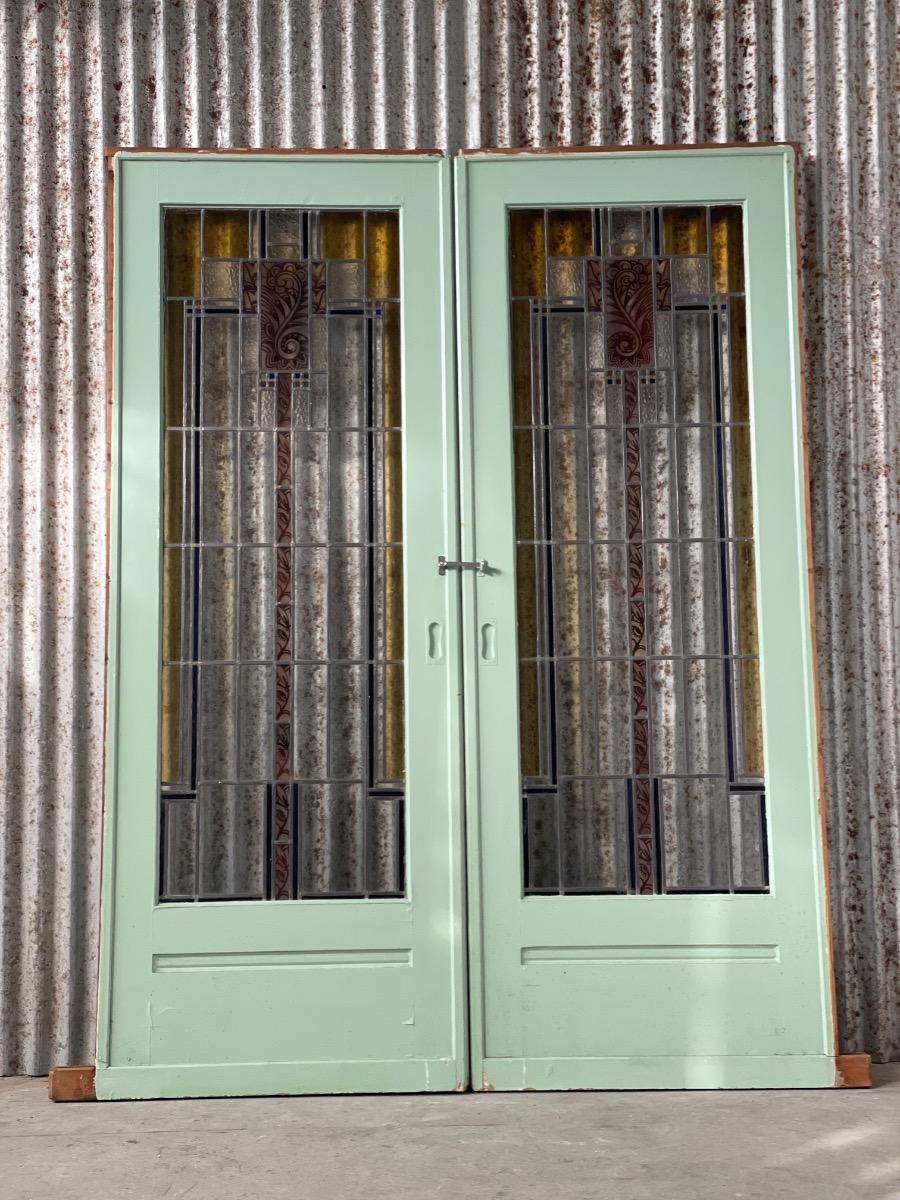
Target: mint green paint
x=306, y=996
x=314, y=996
x=474, y=735
x=625, y=992
x=657, y=1072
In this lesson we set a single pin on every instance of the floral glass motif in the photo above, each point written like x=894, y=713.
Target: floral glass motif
x=639, y=695
x=282, y=723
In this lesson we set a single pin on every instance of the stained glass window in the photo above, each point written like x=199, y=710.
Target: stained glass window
x=282, y=733
x=639, y=696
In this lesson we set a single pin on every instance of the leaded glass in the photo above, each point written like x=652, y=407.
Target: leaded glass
x=639, y=697
x=282, y=742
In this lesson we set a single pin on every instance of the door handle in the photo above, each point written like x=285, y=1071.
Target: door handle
x=489, y=641
x=444, y=565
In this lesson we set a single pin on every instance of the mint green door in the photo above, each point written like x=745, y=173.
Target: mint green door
x=621, y=636
x=283, y=874
x=646, y=895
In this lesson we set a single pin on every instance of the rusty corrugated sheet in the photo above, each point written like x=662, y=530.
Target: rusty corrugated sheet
x=77, y=76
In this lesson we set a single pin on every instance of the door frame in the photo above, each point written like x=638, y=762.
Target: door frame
x=464, y=162
x=446, y=541
x=458, y=540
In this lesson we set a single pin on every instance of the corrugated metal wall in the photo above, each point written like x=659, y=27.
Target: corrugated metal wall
x=77, y=76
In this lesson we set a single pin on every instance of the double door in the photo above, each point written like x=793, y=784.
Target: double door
x=461, y=717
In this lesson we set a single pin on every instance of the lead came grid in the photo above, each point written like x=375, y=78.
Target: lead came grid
x=640, y=723
x=282, y=670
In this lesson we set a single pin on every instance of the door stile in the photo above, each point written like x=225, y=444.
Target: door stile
x=467, y=584
x=454, y=641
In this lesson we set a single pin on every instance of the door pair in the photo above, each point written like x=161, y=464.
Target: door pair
x=461, y=724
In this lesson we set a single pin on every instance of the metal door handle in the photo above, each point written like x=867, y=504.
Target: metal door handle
x=444, y=565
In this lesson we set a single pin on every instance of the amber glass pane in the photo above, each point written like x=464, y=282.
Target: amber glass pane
x=525, y=524
x=393, y=507
x=520, y=334
x=740, y=389
x=727, y=248
x=176, y=450
x=173, y=379
x=170, y=721
x=182, y=252
x=393, y=557
x=684, y=230
x=527, y=253
x=747, y=636
x=391, y=374
x=170, y=715
x=571, y=232
x=341, y=234
x=752, y=717
x=742, y=501
x=226, y=234
x=523, y=447
x=528, y=718
x=382, y=253
x=394, y=724
x=393, y=607
x=526, y=581
x=282, y=677
x=639, y=702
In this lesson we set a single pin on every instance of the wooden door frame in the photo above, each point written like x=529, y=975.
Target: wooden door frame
x=849, y=1066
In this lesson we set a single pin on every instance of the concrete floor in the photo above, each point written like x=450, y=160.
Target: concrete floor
x=552, y=1146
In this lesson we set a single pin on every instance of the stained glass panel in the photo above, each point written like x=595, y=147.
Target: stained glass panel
x=282, y=746
x=639, y=698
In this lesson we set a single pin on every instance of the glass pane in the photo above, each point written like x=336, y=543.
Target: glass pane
x=283, y=733
x=695, y=820
x=749, y=855
x=639, y=693
x=182, y=252
x=178, y=834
